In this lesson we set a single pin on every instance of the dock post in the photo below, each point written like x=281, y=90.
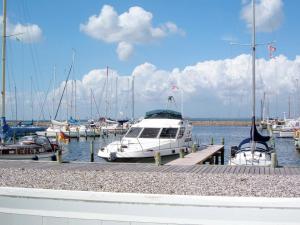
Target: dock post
x=222, y=156
x=274, y=162
x=194, y=148
x=212, y=141
x=14, y=137
x=216, y=159
x=59, y=156
x=92, y=151
x=78, y=135
x=94, y=133
x=223, y=141
x=181, y=153
x=157, y=158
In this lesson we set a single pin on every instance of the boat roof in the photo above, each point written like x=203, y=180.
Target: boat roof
x=156, y=123
x=163, y=114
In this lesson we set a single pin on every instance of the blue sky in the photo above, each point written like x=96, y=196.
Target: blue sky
x=202, y=33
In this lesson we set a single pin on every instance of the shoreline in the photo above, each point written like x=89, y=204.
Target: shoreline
x=220, y=123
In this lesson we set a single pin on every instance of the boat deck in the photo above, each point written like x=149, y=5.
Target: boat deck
x=149, y=167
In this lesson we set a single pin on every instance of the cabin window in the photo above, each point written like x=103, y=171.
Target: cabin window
x=150, y=133
x=41, y=141
x=181, y=132
x=168, y=133
x=133, y=132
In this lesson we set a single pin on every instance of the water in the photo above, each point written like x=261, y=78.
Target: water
x=286, y=152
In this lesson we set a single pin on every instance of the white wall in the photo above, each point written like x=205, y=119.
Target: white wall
x=57, y=207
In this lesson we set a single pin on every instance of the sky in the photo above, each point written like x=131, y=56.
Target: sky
x=169, y=48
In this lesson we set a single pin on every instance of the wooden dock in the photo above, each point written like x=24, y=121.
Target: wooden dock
x=209, y=154
x=150, y=167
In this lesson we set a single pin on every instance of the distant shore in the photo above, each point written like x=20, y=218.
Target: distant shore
x=221, y=123
x=204, y=122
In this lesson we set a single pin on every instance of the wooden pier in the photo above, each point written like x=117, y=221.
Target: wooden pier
x=210, y=154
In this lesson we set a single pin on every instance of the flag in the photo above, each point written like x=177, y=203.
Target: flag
x=174, y=87
x=63, y=137
x=272, y=49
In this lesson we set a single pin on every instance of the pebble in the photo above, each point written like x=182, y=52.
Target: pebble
x=153, y=182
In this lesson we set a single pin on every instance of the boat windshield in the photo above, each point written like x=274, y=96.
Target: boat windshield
x=168, y=133
x=163, y=114
x=181, y=132
x=150, y=133
x=133, y=132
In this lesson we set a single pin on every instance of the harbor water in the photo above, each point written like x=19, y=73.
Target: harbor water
x=203, y=135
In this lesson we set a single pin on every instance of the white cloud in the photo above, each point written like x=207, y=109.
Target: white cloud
x=27, y=33
x=124, y=50
x=130, y=28
x=269, y=15
x=208, y=87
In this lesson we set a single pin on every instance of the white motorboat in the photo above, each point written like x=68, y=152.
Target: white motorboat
x=163, y=131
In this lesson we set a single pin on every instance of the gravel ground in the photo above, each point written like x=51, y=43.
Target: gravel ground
x=154, y=182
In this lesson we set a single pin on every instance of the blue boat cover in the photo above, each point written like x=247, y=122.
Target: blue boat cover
x=257, y=136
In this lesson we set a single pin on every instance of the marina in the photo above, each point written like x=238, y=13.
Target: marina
x=154, y=132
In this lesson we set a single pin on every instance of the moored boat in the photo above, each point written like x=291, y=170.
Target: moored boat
x=163, y=131
x=31, y=147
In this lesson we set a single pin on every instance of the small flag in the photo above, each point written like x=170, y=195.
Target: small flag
x=63, y=137
x=272, y=49
x=174, y=87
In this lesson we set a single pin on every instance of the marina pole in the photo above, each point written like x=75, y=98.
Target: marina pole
x=3, y=61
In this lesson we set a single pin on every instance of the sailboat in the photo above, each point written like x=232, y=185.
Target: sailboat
x=254, y=150
x=29, y=147
x=7, y=132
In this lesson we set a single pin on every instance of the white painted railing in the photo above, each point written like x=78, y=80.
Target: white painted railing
x=42, y=207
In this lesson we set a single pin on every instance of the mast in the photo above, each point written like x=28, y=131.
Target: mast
x=91, y=103
x=16, y=103
x=31, y=97
x=253, y=74
x=289, y=106
x=53, y=97
x=106, y=93
x=75, y=116
x=3, y=60
x=117, y=108
x=132, y=98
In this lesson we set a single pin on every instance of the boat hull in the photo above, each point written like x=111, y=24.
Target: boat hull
x=245, y=158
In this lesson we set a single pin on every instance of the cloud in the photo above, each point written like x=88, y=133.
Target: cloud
x=27, y=33
x=124, y=50
x=212, y=88
x=127, y=29
x=269, y=15
x=208, y=87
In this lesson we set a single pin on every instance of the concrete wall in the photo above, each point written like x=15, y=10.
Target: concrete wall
x=56, y=207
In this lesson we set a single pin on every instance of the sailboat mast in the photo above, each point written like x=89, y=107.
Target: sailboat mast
x=3, y=57
x=253, y=75
x=132, y=98
x=117, y=108
x=106, y=93
x=53, y=97
x=253, y=59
